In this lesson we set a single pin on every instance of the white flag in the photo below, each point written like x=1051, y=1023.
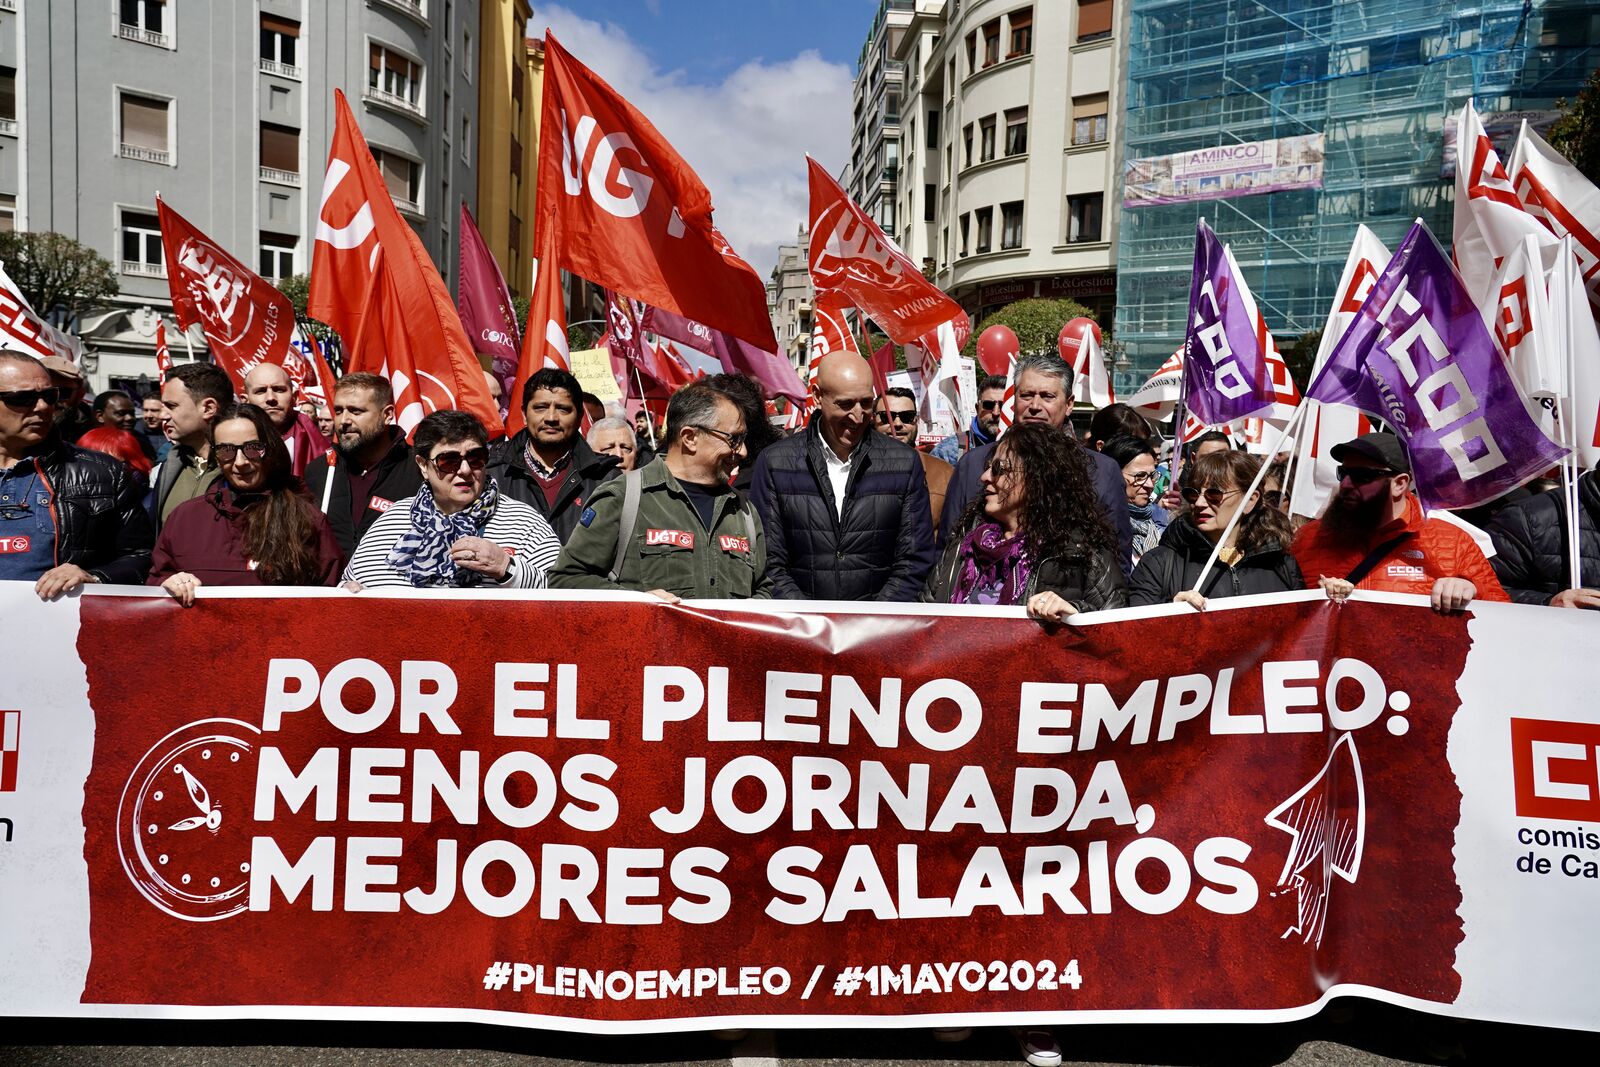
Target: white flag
x=1160, y=394
x=1489, y=218
x=1559, y=196
x=1091, y=381
x=1327, y=425
x=1575, y=332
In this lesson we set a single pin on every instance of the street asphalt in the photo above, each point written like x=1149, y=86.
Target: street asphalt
x=1349, y=1033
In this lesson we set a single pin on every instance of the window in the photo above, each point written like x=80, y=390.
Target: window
x=930, y=193
x=991, y=43
x=887, y=216
x=933, y=129
x=965, y=221
x=1089, y=119
x=1083, y=217
x=403, y=176
x=8, y=99
x=1094, y=20
x=1021, y=33
x=279, y=40
x=8, y=213
x=891, y=107
x=145, y=133
x=985, y=217
x=516, y=240
x=1016, y=131
x=148, y=16
x=277, y=256
x=986, y=138
x=966, y=144
x=395, y=77
x=1011, y=224
x=944, y=247
x=280, y=152
x=466, y=138
x=466, y=53
x=141, y=244
x=972, y=53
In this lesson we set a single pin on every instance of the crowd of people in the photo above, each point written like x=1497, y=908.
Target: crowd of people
x=199, y=486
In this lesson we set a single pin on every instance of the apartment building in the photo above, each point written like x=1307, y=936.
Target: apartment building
x=508, y=150
x=225, y=107
x=872, y=176
x=789, y=296
x=1007, y=169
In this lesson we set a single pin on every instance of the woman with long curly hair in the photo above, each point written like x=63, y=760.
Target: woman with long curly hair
x=254, y=526
x=1036, y=536
x=1254, y=556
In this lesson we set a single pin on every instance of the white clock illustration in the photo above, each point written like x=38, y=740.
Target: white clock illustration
x=179, y=829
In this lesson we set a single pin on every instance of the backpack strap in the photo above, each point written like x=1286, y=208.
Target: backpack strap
x=327, y=485
x=632, y=487
x=1375, y=557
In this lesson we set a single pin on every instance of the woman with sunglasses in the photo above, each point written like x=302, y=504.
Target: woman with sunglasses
x=254, y=526
x=1138, y=462
x=1253, y=559
x=1035, y=537
x=459, y=531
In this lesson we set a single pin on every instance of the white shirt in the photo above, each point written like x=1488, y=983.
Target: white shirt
x=838, y=475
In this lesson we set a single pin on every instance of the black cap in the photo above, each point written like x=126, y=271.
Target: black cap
x=1384, y=448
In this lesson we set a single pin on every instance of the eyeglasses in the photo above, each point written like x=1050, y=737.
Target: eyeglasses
x=28, y=399
x=253, y=450
x=450, y=462
x=734, y=440
x=1213, y=495
x=906, y=417
x=1140, y=478
x=1000, y=470
x=991, y=405
x=1363, y=475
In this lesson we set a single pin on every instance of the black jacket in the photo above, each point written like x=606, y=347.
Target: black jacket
x=101, y=524
x=880, y=548
x=398, y=478
x=1531, y=545
x=1174, y=565
x=1103, y=471
x=1088, y=581
x=588, y=471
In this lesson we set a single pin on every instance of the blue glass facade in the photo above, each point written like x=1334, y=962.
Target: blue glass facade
x=1379, y=80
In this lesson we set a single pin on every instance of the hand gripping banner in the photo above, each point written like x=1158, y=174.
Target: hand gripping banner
x=715, y=814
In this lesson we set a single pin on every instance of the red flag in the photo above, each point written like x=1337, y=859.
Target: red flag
x=544, y=335
x=851, y=257
x=485, y=305
x=829, y=331
x=246, y=321
x=882, y=362
x=625, y=334
x=372, y=280
x=630, y=213
x=163, y=355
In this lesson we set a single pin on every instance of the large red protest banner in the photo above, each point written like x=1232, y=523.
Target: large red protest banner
x=660, y=817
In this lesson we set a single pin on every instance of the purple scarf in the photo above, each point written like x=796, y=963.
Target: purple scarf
x=993, y=569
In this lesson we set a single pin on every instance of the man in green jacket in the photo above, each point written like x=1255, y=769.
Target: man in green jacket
x=675, y=528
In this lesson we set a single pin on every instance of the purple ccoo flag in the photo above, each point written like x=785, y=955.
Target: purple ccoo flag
x=485, y=307
x=1419, y=357
x=1226, y=369
x=774, y=373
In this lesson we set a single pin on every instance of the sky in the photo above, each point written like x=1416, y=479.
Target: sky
x=743, y=90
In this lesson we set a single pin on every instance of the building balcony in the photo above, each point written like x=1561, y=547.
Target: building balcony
x=410, y=7
x=394, y=102
x=8, y=5
x=282, y=70
x=147, y=155
x=144, y=270
x=409, y=207
x=143, y=36
x=8, y=126
x=282, y=177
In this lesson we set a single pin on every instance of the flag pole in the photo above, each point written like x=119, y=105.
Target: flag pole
x=649, y=422
x=1255, y=483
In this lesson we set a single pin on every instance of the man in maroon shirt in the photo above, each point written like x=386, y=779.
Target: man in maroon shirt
x=548, y=464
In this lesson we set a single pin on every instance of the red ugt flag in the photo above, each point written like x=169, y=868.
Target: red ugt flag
x=372, y=280
x=163, y=353
x=628, y=213
x=246, y=321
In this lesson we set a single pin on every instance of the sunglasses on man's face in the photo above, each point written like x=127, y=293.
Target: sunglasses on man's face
x=991, y=405
x=253, y=450
x=906, y=417
x=1213, y=495
x=450, y=462
x=1362, y=475
x=28, y=399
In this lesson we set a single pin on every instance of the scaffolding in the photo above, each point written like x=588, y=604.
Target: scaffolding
x=1378, y=79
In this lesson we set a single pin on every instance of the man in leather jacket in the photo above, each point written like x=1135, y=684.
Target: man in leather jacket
x=67, y=516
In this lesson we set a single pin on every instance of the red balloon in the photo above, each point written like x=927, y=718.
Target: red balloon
x=997, y=347
x=1071, y=338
